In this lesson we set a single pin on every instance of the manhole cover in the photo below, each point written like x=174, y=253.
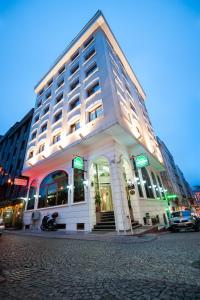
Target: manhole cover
x=196, y=264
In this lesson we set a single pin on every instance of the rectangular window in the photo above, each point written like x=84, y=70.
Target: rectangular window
x=49, y=83
x=41, y=91
x=33, y=136
x=56, y=138
x=46, y=110
x=59, y=98
x=61, y=70
x=44, y=127
x=91, y=69
x=78, y=185
x=96, y=113
x=41, y=148
x=128, y=90
x=58, y=116
x=75, y=55
x=74, y=84
x=91, y=90
x=60, y=83
x=75, y=103
x=75, y=126
x=74, y=69
x=133, y=108
x=89, y=41
x=22, y=145
x=36, y=118
x=90, y=54
x=30, y=154
x=39, y=103
x=48, y=95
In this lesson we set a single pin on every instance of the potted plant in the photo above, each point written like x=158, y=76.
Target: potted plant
x=98, y=202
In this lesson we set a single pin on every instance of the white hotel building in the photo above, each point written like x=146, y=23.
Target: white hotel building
x=90, y=104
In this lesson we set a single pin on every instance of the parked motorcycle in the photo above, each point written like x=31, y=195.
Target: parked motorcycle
x=49, y=222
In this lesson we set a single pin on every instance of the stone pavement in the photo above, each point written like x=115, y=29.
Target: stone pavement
x=166, y=267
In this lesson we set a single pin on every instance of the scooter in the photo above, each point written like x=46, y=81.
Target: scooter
x=49, y=222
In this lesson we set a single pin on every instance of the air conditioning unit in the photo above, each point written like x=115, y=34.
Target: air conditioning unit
x=35, y=215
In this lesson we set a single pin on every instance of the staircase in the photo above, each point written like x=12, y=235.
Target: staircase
x=107, y=223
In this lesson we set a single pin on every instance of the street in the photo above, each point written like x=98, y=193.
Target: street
x=167, y=267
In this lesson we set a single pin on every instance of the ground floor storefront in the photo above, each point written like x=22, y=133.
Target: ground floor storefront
x=12, y=213
x=97, y=180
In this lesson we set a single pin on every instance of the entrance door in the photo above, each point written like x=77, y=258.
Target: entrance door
x=106, y=196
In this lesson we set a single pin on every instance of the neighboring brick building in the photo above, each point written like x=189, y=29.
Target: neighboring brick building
x=12, y=152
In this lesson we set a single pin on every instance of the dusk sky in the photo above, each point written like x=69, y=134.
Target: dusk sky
x=161, y=40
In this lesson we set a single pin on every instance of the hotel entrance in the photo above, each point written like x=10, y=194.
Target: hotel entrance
x=102, y=185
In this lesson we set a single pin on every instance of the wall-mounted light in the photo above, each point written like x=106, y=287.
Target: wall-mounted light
x=85, y=182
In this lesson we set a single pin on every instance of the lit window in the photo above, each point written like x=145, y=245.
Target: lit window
x=96, y=113
x=74, y=84
x=59, y=98
x=75, y=55
x=56, y=138
x=89, y=41
x=90, y=54
x=60, y=83
x=75, y=126
x=30, y=154
x=46, y=110
x=61, y=70
x=31, y=195
x=44, y=127
x=74, y=69
x=33, y=136
x=91, y=90
x=58, y=116
x=74, y=103
x=41, y=148
x=90, y=70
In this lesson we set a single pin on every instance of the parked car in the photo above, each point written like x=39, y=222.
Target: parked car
x=184, y=219
x=2, y=226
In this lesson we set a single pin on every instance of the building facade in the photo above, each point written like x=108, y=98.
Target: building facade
x=178, y=190
x=90, y=122
x=12, y=153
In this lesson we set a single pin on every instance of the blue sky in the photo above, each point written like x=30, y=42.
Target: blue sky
x=161, y=40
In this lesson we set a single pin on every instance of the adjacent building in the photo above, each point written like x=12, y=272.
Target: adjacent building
x=13, y=187
x=92, y=153
x=179, y=193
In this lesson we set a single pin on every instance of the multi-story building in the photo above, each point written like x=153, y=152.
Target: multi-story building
x=13, y=188
x=178, y=190
x=90, y=121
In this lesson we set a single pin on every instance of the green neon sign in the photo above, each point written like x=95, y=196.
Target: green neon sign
x=141, y=161
x=172, y=196
x=78, y=163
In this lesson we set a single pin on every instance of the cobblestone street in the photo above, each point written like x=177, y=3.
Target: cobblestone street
x=41, y=268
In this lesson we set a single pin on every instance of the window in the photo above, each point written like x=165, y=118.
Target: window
x=33, y=136
x=18, y=164
x=75, y=126
x=89, y=41
x=41, y=148
x=48, y=95
x=44, y=127
x=74, y=103
x=91, y=69
x=74, y=69
x=74, y=84
x=155, y=185
x=59, y=98
x=49, y=83
x=53, y=189
x=133, y=108
x=31, y=195
x=36, y=118
x=60, y=83
x=41, y=91
x=14, y=152
x=96, y=113
x=161, y=187
x=56, y=138
x=75, y=55
x=90, y=54
x=91, y=90
x=147, y=183
x=61, y=70
x=58, y=116
x=137, y=178
x=46, y=110
x=30, y=154
x=22, y=146
x=79, y=194
x=39, y=103
x=127, y=89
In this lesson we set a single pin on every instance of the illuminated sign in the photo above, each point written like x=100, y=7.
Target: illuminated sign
x=141, y=161
x=20, y=181
x=171, y=196
x=78, y=163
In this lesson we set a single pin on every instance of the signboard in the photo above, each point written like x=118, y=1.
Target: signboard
x=78, y=163
x=20, y=181
x=141, y=161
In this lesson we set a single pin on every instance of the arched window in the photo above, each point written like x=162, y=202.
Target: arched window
x=161, y=187
x=138, y=181
x=53, y=189
x=31, y=195
x=155, y=185
x=147, y=183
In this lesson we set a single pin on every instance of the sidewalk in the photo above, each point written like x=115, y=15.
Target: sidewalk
x=114, y=237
